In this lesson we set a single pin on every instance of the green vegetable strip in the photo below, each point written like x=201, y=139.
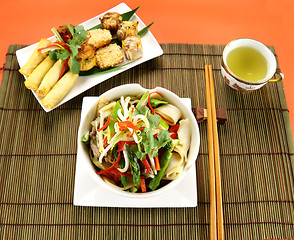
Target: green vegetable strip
x=156, y=102
x=164, y=161
x=143, y=101
x=115, y=116
x=57, y=35
x=121, y=164
x=135, y=167
x=125, y=17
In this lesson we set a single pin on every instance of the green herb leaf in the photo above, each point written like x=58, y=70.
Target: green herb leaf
x=74, y=49
x=74, y=65
x=62, y=54
x=163, y=138
x=153, y=119
x=53, y=55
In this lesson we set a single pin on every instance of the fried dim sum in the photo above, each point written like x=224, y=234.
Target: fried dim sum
x=99, y=38
x=111, y=21
x=109, y=56
x=35, y=78
x=60, y=89
x=51, y=77
x=132, y=47
x=35, y=59
x=126, y=29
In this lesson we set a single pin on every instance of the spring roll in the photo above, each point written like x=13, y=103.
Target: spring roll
x=35, y=59
x=35, y=78
x=51, y=78
x=60, y=89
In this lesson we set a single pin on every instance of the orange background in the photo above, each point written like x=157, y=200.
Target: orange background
x=176, y=21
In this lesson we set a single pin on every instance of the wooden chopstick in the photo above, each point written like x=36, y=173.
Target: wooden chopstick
x=216, y=209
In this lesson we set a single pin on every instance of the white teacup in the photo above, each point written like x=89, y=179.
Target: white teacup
x=248, y=65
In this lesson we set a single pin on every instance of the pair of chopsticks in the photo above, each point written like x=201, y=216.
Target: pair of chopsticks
x=216, y=209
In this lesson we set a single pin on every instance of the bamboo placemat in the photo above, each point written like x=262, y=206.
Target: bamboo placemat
x=38, y=157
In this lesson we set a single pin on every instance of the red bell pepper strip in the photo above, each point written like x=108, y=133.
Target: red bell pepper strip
x=118, y=173
x=173, y=135
x=127, y=124
x=149, y=104
x=121, y=144
x=174, y=128
x=106, y=124
x=104, y=141
x=63, y=68
x=111, y=167
x=146, y=165
x=152, y=109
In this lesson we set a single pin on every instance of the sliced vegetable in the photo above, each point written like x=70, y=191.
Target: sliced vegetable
x=121, y=165
x=135, y=167
x=174, y=128
x=146, y=165
x=143, y=185
x=165, y=159
x=86, y=138
x=114, y=116
x=157, y=164
x=111, y=167
x=143, y=100
x=156, y=102
x=127, y=124
x=105, y=125
x=163, y=123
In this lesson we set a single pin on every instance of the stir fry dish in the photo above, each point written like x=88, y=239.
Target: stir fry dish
x=138, y=143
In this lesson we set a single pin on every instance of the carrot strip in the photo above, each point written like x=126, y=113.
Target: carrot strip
x=143, y=185
x=157, y=164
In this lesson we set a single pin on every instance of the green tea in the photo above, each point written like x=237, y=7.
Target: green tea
x=247, y=63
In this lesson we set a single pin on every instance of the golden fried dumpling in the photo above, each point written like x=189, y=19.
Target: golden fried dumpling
x=99, y=37
x=132, y=46
x=111, y=21
x=86, y=57
x=109, y=56
x=127, y=28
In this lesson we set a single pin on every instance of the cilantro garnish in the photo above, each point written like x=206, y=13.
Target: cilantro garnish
x=69, y=50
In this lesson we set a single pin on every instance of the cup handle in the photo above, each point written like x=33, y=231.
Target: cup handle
x=281, y=76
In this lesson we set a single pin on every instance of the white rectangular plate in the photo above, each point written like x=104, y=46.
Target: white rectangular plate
x=88, y=193
x=151, y=49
